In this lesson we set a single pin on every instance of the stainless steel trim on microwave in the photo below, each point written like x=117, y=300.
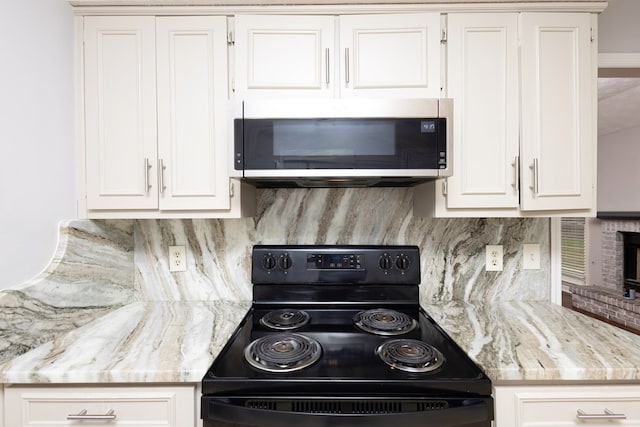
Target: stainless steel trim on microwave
x=343, y=108
x=330, y=108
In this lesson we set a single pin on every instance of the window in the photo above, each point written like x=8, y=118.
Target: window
x=572, y=231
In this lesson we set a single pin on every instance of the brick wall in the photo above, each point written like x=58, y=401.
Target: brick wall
x=606, y=305
x=606, y=302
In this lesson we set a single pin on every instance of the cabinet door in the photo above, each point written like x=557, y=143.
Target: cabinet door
x=558, y=83
x=388, y=56
x=192, y=98
x=284, y=56
x=120, y=112
x=483, y=81
x=117, y=406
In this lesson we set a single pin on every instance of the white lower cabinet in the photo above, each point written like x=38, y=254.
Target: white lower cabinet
x=593, y=406
x=114, y=406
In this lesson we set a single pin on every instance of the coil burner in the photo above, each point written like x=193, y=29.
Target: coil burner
x=410, y=355
x=286, y=352
x=285, y=319
x=381, y=321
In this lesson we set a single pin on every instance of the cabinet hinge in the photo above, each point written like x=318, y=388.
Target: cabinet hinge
x=230, y=40
x=593, y=35
x=443, y=35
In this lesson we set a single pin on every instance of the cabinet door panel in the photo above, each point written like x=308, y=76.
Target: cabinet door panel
x=120, y=112
x=483, y=81
x=192, y=96
x=390, y=55
x=284, y=56
x=557, y=87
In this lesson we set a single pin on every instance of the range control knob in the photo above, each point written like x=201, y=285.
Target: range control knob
x=403, y=262
x=285, y=261
x=269, y=262
x=385, y=262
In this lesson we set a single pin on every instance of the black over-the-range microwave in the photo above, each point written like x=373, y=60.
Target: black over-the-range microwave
x=341, y=142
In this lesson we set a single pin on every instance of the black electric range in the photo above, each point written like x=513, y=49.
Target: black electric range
x=336, y=337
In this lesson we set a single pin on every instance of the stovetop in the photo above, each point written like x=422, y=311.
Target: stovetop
x=348, y=361
x=336, y=285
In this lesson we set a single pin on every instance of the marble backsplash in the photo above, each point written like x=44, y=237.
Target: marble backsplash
x=452, y=250
x=90, y=275
x=107, y=263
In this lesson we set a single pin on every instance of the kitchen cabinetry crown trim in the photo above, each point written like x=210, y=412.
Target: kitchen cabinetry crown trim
x=307, y=7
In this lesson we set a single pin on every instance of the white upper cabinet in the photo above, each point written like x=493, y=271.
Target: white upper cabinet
x=389, y=55
x=120, y=112
x=155, y=98
x=483, y=81
x=523, y=86
x=284, y=56
x=558, y=105
x=192, y=113
x=154, y=95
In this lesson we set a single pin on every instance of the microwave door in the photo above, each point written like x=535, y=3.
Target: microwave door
x=344, y=144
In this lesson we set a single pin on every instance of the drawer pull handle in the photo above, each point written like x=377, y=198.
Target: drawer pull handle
x=608, y=415
x=82, y=415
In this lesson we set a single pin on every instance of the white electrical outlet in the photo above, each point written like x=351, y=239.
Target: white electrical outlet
x=177, y=258
x=531, y=256
x=494, y=257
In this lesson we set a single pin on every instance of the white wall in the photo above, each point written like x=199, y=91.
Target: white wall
x=618, y=171
x=618, y=27
x=37, y=165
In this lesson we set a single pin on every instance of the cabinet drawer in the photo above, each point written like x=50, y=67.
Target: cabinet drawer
x=113, y=406
x=568, y=406
x=563, y=411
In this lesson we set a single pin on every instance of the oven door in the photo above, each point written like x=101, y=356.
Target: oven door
x=346, y=412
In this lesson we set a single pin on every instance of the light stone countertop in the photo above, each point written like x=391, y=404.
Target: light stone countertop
x=173, y=342
x=151, y=342
x=539, y=342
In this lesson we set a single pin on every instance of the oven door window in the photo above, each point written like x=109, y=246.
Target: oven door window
x=340, y=143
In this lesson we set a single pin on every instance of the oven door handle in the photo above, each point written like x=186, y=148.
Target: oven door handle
x=475, y=412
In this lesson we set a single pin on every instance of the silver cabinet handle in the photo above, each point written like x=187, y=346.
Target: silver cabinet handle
x=327, y=68
x=82, y=415
x=608, y=415
x=232, y=189
x=161, y=169
x=147, y=167
x=516, y=173
x=346, y=65
x=536, y=169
